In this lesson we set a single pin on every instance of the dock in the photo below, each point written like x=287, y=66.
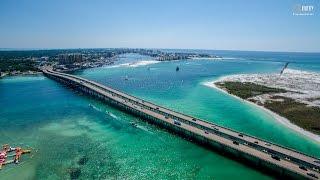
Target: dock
x=265, y=156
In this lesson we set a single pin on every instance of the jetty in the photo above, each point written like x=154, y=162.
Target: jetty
x=263, y=155
x=284, y=67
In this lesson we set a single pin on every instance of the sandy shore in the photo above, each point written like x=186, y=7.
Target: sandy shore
x=302, y=86
x=31, y=73
x=214, y=58
x=276, y=116
x=134, y=64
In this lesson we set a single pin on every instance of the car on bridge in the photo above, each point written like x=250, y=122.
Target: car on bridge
x=235, y=142
x=312, y=175
x=303, y=168
x=275, y=157
x=176, y=122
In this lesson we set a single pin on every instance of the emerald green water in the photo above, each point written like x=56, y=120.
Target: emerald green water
x=58, y=123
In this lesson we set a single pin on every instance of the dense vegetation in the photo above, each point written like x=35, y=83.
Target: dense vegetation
x=17, y=65
x=300, y=114
x=247, y=89
x=304, y=116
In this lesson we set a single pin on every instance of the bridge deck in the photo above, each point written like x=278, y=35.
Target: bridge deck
x=290, y=159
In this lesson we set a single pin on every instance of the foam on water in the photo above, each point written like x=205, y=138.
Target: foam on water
x=143, y=128
x=113, y=115
x=94, y=107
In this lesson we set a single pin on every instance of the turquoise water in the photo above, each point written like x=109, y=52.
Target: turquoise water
x=63, y=130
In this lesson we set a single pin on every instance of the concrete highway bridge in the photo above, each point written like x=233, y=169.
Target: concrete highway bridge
x=260, y=154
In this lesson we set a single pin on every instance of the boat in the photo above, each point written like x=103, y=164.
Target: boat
x=133, y=124
x=177, y=68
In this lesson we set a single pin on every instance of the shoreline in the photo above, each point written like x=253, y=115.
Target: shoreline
x=33, y=73
x=135, y=64
x=276, y=116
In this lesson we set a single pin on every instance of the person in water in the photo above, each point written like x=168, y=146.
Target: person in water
x=3, y=155
x=5, y=147
x=18, y=155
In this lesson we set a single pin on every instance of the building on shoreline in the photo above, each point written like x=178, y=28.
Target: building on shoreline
x=70, y=58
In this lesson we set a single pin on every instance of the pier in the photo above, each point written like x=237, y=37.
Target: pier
x=266, y=156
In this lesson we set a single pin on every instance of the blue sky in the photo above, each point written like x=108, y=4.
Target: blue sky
x=267, y=25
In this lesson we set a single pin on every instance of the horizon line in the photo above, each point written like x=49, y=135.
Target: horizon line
x=268, y=51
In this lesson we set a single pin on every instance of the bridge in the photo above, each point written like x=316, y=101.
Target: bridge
x=258, y=153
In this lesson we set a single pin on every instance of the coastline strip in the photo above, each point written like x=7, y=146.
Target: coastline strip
x=276, y=116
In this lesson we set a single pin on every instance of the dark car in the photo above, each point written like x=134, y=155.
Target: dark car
x=303, y=168
x=275, y=157
x=312, y=175
x=241, y=135
x=235, y=142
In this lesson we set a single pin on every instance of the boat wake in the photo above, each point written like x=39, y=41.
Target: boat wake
x=144, y=129
x=94, y=107
x=112, y=115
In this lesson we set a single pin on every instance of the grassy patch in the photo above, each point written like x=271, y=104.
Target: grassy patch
x=246, y=90
x=300, y=114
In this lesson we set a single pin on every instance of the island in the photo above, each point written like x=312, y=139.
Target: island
x=292, y=94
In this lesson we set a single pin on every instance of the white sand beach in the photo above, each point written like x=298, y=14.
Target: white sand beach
x=134, y=64
x=304, y=87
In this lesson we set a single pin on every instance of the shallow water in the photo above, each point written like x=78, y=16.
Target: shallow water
x=184, y=91
x=72, y=139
